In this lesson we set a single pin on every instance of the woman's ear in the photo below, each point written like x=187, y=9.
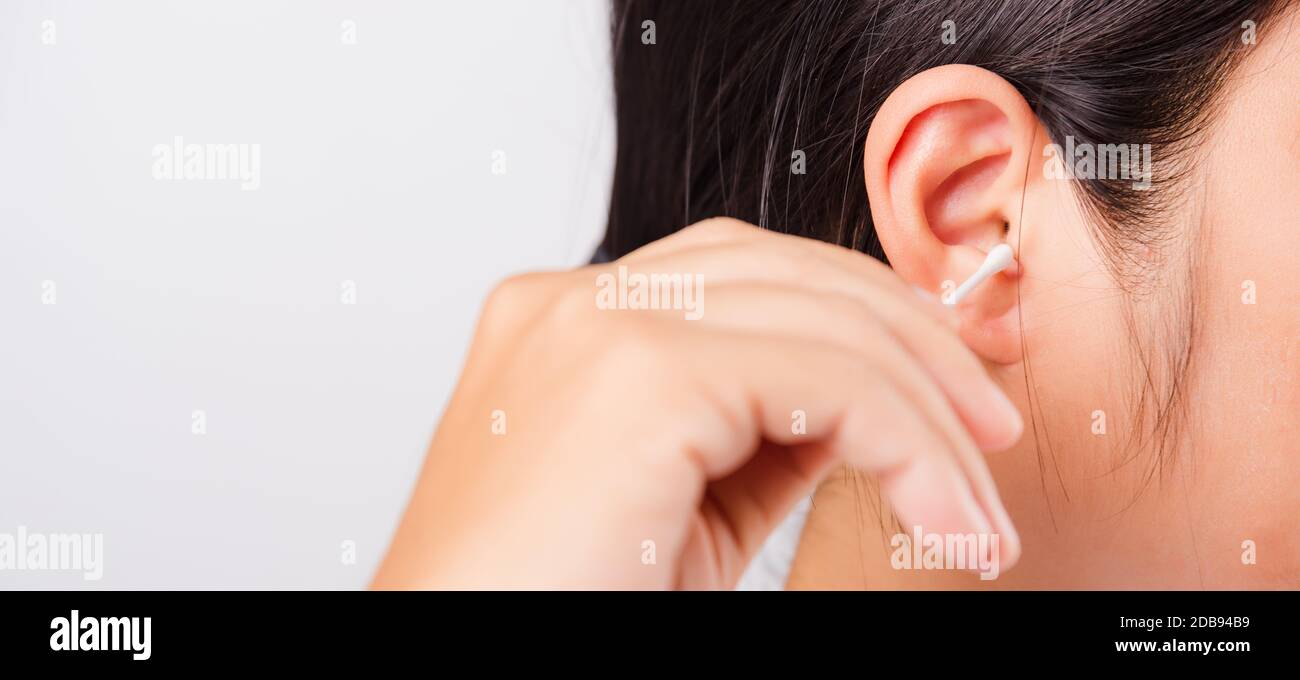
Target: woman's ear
x=946, y=162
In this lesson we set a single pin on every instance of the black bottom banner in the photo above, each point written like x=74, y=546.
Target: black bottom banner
x=142, y=630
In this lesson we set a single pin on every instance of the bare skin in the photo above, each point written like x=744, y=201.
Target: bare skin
x=1229, y=493
x=644, y=450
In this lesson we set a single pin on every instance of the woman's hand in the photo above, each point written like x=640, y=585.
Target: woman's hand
x=590, y=447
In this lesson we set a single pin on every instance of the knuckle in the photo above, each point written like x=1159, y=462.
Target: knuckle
x=509, y=290
x=511, y=299
x=860, y=320
x=634, y=347
x=575, y=302
x=723, y=226
x=788, y=263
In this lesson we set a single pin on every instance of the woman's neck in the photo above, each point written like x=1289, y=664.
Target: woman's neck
x=1160, y=541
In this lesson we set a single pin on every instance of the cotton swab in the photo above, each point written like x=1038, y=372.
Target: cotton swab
x=999, y=258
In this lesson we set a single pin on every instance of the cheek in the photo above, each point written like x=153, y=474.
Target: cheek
x=1251, y=246
x=1250, y=301
x=1248, y=371
x=1076, y=343
x=1247, y=390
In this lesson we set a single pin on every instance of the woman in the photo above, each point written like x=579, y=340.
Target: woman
x=1113, y=411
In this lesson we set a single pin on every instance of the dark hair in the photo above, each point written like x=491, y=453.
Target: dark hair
x=710, y=113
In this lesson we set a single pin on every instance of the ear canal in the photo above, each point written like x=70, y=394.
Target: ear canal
x=999, y=258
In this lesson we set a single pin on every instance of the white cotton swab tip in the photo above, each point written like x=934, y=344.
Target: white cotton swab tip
x=999, y=258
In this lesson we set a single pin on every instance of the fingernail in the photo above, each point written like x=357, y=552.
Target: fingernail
x=1009, y=540
x=934, y=496
x=1007, y=411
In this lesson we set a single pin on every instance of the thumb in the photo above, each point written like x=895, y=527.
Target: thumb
x=739, y=511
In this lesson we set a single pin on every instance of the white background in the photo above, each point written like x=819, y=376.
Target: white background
x=176, y=296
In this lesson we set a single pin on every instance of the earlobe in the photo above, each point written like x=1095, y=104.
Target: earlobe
x=945, y=163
